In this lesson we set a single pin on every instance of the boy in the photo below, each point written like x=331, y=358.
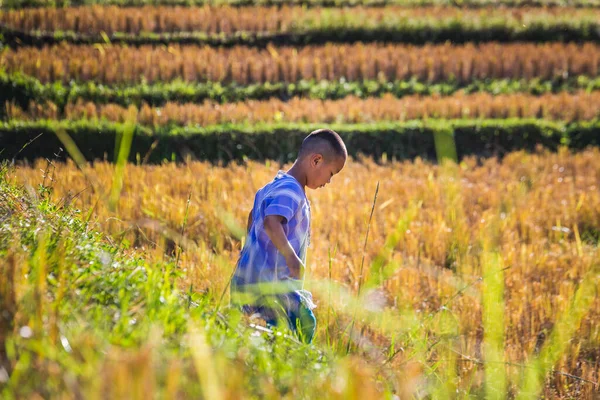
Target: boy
x=270, y=270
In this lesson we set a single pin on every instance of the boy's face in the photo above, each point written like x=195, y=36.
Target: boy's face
x=321, y=170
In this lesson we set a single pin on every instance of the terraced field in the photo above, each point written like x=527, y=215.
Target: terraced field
x=563, y=107
x=308, y=3
x=297, y=25
x=478, y=122
x=246, y=65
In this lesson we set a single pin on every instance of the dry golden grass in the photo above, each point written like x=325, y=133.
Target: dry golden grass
x=540, y=212
x=430, y=63
x=228, y=20
x=563, y=106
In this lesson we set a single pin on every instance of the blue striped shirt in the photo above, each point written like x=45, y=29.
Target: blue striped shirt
x=260, y=261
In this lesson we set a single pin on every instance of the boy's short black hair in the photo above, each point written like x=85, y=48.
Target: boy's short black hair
x=324, y=141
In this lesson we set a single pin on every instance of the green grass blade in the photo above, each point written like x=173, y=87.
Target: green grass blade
x=493, y=326
x=124, y=146
x=564, y=329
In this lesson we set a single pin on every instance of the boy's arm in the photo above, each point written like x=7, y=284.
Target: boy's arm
x=275, y=232
x=249, y=221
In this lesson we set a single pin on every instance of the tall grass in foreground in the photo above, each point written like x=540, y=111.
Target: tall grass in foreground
x=479, y=281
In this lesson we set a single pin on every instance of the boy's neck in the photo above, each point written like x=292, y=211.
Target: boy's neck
x=297, y=172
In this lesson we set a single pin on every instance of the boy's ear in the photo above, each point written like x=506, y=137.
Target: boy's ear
x=316, y=159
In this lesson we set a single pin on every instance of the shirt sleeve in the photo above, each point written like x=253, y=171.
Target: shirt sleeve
x=284, y=202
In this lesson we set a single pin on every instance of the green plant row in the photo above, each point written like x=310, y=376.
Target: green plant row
x=86, y=298
x=307, y=3
x=406, y=140
x=23, y=89
x=416, y=32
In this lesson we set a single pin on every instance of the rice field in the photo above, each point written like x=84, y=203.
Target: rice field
x=442, y=220
x=244, y=65
x=473, y=277
x=563, y=107
x=20, y=4
x=231, y=20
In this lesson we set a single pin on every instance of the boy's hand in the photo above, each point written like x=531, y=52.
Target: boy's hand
x=295, y=266
x=275, y=232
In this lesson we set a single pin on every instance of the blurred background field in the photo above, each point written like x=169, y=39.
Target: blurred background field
x=456, y=255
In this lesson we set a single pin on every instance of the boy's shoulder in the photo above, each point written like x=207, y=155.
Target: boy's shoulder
x=284, y=184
